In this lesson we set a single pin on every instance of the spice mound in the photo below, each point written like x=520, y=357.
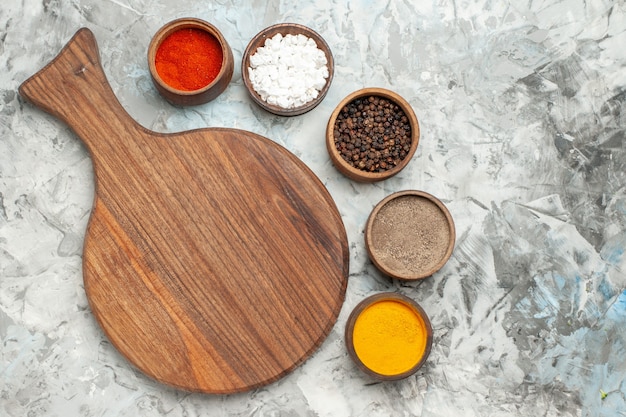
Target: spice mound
x=189, y=59
x=372, y=134
x=410, y=235
x=288, y=71
x=390, y=337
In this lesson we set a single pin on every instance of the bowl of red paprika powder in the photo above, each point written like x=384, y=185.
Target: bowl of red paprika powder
x=372, y=134
x=190, y=61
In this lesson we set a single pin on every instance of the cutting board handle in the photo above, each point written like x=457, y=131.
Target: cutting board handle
x=74, y=88
x=214, y=259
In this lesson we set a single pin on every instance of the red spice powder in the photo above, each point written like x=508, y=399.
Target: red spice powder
x=189, y=59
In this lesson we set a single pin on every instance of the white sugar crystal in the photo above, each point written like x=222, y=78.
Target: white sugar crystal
x=288, y=71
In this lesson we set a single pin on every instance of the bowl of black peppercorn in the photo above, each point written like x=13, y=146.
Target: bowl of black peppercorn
x=372, y=134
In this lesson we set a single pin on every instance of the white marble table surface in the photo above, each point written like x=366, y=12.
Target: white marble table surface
x=523, y=127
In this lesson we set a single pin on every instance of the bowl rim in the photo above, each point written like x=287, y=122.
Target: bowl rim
x=258, y=41
x=185, y=23
x=366, y=303
x=396, y=274
x=358, y=174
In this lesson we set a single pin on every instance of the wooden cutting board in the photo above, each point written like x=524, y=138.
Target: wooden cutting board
x=214, y=259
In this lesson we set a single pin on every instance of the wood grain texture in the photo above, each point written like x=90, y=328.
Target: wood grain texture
x=214, y=259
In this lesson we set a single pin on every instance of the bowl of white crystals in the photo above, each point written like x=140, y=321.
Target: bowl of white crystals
x=287, y=69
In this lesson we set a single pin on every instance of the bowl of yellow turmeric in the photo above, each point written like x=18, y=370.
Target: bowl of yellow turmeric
x=388, y=336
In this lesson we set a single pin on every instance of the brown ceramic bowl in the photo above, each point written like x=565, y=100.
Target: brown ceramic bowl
x=259, y=41
x=410, y=235
x=364, y=175
x=201, y=95
x=371, y=336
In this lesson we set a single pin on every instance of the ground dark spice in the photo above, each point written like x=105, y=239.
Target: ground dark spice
x=189, y=59
x=372, y=134
x=410, y=235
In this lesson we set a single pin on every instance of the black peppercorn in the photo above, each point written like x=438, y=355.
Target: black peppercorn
x=372, y=134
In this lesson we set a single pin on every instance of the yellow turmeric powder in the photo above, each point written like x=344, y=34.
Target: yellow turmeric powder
x=390, y=337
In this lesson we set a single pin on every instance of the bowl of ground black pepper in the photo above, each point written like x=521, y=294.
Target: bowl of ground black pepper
x=190, y=61
x=287, y=69
x=410, y=235
x=372, y=135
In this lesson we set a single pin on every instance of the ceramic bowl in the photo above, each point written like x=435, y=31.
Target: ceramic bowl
x=259, y=41
x=333, y=140
x=202, y=95
x=410, y=235
x=372, y=335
